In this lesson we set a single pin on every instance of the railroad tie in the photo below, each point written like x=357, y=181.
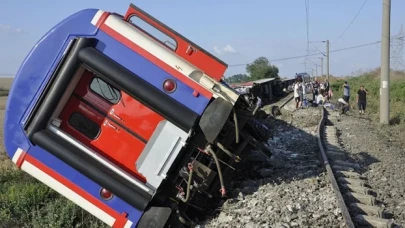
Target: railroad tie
x=348, y=174
x=361, y=198
x=368, y=210
x=334, y=155
x=374, y=221
x=346, y=163
x=352, y=181
x=342, y=168
x=356, y=188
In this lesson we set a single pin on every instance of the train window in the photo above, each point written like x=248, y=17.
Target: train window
x=153, y=32
x=105, y=90
x=84, y=125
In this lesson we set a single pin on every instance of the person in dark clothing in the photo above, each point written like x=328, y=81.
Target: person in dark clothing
x=315, y=89
x=362, y=99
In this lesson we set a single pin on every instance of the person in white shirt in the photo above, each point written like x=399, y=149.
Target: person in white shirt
x=319, y=99
x=322, y=86
x=297, y=94
x=344, y=105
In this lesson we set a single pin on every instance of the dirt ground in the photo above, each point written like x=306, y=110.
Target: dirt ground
x=5, y=83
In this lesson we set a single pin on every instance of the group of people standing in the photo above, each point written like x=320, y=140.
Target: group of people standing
x=321, y=90
x=316, y=88
x=321, y=94
x=361, y=98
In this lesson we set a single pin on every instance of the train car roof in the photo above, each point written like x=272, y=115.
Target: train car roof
x=250, y=83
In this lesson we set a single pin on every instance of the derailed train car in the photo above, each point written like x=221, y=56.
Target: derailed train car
x=138, y=131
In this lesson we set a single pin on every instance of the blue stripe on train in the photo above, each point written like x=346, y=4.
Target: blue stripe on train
x=149, y=71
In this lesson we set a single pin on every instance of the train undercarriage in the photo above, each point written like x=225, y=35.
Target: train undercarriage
x=198, y=182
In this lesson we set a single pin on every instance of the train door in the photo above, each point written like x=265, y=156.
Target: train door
x=109, y=121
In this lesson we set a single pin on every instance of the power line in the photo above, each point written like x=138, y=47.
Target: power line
x=302, y=56
x=397, y=47
x=317, y=49
x=358, y=12
x=299, y=56
x=307, y=23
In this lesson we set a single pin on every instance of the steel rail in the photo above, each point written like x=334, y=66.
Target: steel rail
x=345, y=212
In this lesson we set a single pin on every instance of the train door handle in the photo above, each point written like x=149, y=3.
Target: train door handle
x=110, y=125
x=115, y=115
x=190, y=50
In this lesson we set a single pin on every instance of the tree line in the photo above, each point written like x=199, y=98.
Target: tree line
x=260, y=68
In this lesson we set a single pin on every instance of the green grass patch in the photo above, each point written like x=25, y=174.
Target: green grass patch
x=26, y=202
x=371, y=81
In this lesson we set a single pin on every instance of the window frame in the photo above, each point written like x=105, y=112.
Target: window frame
x=100, y=95
x=87, y=119
x=150, y=35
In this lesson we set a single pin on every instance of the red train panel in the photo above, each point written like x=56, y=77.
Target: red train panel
x=109, y=140
x=122, y=126
x=118, y=105
x=183, y=47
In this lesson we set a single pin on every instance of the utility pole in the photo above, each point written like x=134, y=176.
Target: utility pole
x=327, y=59
x=385, y=64
x=321, y=67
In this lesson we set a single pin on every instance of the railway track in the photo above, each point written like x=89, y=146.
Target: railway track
x=356, y=199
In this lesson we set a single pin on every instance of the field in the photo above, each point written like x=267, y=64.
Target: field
x=371, y=81
x=24, y=201
x=5, y=83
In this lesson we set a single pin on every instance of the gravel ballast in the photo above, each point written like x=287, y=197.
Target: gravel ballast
x=289, y=190
x=378, y=151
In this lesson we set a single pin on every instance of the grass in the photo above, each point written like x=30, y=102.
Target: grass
x=371, y=81
x=26, y=202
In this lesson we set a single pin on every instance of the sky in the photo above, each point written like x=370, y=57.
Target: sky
x=236, y=31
